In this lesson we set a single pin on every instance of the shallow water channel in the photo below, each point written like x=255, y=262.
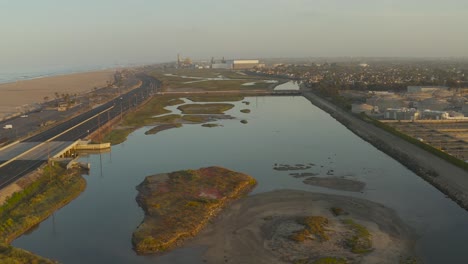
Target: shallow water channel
x=97, y=226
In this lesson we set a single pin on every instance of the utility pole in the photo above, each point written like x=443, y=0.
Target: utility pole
x=121, y=110
x=48, y=163
x=99, y=128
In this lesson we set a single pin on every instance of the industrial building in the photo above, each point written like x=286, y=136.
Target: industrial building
x=401, y=114
x=235, y=64
x=244, y=64
x=434, y=115
x=425, y=89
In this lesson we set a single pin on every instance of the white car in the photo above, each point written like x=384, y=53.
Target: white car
x=24, y=116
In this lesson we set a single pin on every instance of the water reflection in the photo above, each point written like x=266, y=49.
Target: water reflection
x=97, y=226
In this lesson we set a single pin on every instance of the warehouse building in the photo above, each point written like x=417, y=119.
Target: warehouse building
x=245, y=64
x=235, y=64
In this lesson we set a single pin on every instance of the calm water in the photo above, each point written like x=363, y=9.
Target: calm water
x=291, y=85
x=97, y=226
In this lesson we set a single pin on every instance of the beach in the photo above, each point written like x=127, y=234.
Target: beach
x=16, y=96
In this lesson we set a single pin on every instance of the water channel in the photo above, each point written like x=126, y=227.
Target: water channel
x=97, y=226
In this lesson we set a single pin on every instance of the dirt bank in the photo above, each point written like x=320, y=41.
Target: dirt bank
x=448, y=178
x=258, y=229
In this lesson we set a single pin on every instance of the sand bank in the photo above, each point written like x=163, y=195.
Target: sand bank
x=255, y=230
x=336, y=183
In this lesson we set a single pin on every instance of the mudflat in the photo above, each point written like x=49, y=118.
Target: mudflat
x=266, y=228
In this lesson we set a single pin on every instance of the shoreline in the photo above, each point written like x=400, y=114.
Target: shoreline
x=446, y=177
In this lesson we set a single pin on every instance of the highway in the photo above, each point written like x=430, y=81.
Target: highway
x=21, y=158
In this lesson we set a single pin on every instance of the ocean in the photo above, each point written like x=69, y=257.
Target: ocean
x=13, y=75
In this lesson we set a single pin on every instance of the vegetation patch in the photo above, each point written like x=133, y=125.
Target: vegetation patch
x=160, y=128
x=145, y=115
x=360, y=241
x=210, y=125
x=243, y=121
x=167, y=119
x=27, y=208
x=208, y=79
x=245, y=111
x=314, y=228
x=195, y=118
x=117, y=136
x=220, y=98
x=178, y=205
x=9, y=254
x=330, y=260
x=217, y=108
x=337, y=211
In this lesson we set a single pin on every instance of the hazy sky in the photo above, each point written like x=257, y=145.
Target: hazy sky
x=88, y=32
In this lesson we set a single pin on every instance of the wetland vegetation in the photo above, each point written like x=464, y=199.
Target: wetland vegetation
x=210, y=80
x=178, y=205
x=216, y=98
x=25, y=209
x=217, y=108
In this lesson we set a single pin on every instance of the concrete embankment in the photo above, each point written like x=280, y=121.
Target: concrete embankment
x=448, y=178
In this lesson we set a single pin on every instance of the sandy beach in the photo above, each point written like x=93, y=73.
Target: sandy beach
x=20, y=93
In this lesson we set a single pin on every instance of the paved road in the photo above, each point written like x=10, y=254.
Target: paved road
x=53, y=140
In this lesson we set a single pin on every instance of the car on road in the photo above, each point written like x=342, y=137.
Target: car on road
x=24, y=116
x=8, y=127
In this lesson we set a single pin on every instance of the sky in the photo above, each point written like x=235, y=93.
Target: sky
x=64, y=33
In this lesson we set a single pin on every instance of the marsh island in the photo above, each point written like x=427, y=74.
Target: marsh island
x=179, y=204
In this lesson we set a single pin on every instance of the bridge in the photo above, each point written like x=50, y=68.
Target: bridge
x=286, y=92
x=242, y=92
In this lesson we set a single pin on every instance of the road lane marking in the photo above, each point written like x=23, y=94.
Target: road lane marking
x=52, y=138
